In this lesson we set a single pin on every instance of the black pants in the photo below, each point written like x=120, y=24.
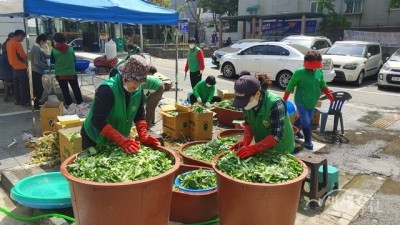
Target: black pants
x=195, y=78
x=193, y=99
x=37, y=87
x=21, y=86
x=75, y=88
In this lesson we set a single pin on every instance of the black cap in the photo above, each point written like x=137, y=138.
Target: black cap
x=245, y=87
x=11, y=34
x=19, y=32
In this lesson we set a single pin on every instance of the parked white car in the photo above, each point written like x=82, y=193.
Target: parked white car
x=276, y=59
x=319, y=43
x=389, y=75
x=355, y=60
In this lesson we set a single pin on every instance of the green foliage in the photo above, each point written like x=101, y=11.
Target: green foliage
x=198, y=179
x=110, y=164
x=333, y=23
x=227, y=104
x=266, y=167
x=208, y=151
x=394, y=4
x=163, y=3
x=221, y=7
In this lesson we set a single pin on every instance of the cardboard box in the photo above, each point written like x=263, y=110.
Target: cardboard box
x=176, y=126
x=224, y=94
x=69, y=145
x=69, y=121
x=317, y=115
x=48, y=116
x=201, y=125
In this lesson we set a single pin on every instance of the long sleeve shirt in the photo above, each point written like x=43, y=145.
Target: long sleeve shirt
x=16, y=55
x=205, y=93
x=200, y=59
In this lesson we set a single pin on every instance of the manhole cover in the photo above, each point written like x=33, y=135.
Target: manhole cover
x=385, y=121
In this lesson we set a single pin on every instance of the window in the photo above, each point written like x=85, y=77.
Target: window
x=374, y=50
x=276, y=50
x=230, y=26
x=354, y=7
x=255, y=50
x=316, y=7
x=394, y=4
x=319, y=44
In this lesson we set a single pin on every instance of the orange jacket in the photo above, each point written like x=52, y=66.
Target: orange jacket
x=16, y=55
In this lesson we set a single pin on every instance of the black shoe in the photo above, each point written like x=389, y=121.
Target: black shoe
x=26, y=104
x=16, y=103
x=36, y=107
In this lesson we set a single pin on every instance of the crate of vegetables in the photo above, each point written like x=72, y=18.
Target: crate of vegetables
x=110, y=186
x=225, y=94
x=176, y=123
x=226, y=113
x=201, y=123
x=70, y=142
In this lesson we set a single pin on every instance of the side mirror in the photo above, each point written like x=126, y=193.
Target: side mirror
x=368, y=55
x=387, y=58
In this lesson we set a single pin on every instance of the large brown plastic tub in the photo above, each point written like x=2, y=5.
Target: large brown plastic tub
x=189, y=207
x=140, y=202
x=190, y=160
x=236, y=133
x=241, y=202
x=227, y=116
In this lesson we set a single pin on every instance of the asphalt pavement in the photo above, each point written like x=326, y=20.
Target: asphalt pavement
x=367, y=153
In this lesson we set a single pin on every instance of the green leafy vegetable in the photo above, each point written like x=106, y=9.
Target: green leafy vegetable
x=198, y=108
x=227, y=104
x=198, y=179
x=110, y=164
x=266, y=167
x=172, y=113
x=208, y=151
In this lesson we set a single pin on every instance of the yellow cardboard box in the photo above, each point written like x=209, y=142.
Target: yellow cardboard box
x=224, y=94
x=69, y=121
x=201, y=125
x=176, y=126
x=48, y=116
x=70, y=142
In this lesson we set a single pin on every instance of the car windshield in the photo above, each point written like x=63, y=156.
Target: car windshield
x=302, y=42
x=346, y=49
x=241, y=45
x=395, y=56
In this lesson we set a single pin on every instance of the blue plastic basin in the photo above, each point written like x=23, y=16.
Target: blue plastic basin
x=81, y=65
x=177, y=183
x=291, y=109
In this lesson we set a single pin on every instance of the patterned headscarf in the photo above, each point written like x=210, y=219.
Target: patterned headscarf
x=135, y=68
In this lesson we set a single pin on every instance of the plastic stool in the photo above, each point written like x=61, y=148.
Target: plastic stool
x=333, y=177
x=314, y=163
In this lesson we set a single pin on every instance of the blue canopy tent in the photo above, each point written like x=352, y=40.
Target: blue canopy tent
x=113, y=11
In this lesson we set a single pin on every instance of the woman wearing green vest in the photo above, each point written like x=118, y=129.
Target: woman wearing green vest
x=63, y=58
x=194, y=63
x=204, y=91
x=153, y=90
x=265, y=117
x=308, y=81
x=118, y=102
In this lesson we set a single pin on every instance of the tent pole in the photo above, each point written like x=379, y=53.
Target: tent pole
x=141, y=37
x=176, y=64
x=30, y=75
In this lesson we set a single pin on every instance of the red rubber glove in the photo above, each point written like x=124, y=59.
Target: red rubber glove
x=127, y=144
x=328, y=94
x=247, y=138
x=286, y=96
x=141, y=127
x=261, y=146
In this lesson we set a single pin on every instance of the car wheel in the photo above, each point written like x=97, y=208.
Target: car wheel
x=360, y=79
x=228, y=70
x=283, y=78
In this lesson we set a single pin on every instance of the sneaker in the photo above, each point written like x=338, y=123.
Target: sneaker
x=299, y=135
x=309, y=146
x=26, y=104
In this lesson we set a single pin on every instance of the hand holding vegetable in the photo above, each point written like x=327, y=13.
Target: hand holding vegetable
x=261, y=146
x=199, y=99
x=247, y=138
x=141, y=127
x=129, y=145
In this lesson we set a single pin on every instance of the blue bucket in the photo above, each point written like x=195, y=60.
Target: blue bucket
x=177, y=183
x=291, y=109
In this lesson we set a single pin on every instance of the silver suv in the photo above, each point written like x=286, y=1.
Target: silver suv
x=319, y=43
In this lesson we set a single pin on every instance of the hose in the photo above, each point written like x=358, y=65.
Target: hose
x=216, y=220
x=49, y=215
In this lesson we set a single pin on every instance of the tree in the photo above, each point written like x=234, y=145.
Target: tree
x=333, y=24
x=220, y=7
x=163, y=3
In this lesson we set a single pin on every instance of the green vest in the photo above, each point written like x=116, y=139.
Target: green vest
x=65, y=62
x=205, y=93
x=152, y=83
x=260, y=123
x=120, y=117
x=192, y=60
